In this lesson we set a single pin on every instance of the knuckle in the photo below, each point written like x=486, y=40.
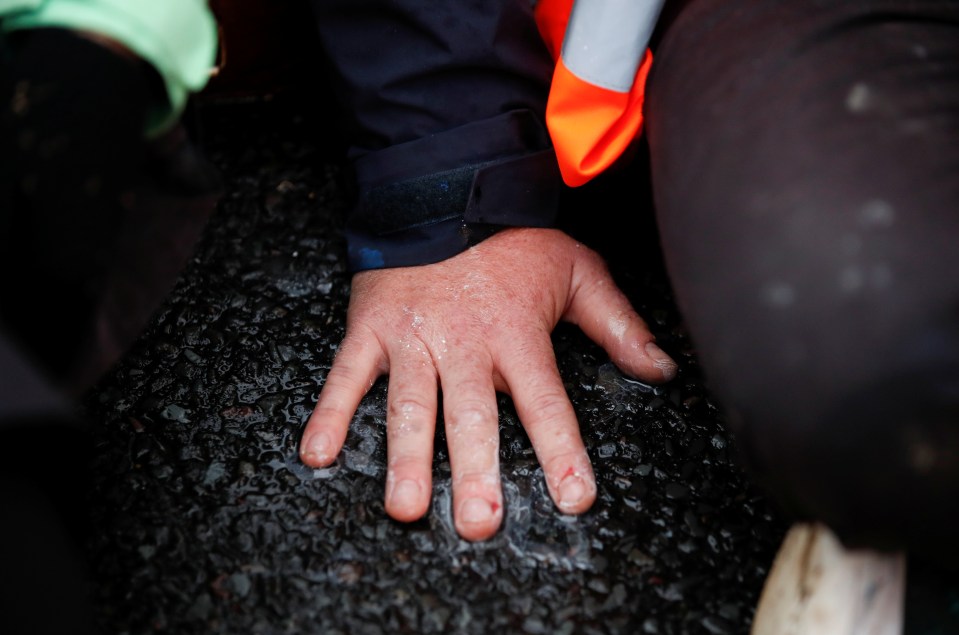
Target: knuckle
x=548, y=407
x=408, y=409
x=476, y=482
x=471, y=414
x=344, y=377
x=329, y=412
x=404, y=465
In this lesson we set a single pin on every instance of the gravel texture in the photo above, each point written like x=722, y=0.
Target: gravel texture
x=207, y=522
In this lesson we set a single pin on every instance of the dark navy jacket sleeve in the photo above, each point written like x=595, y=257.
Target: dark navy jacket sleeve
x=445, y=104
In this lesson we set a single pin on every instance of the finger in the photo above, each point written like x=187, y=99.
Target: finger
x=472, y=435
x=604, y=313
x=357, y=365
x=550, y=421
x=410, y=424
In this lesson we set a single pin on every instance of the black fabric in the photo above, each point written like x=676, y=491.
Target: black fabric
x=805, y=168
x=96, y=221
x=401, y=222
x=95, y=224
x=72, y=127
x=428, y=88
x=25, y=390
x=406, y=70
x=44, y=481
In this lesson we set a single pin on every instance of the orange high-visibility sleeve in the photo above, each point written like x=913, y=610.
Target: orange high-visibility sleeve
x=590, y=125
x=551, y=19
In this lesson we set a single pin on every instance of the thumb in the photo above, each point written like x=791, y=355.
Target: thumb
x=604, y=313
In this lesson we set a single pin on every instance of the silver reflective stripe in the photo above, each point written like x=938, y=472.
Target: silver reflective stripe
x=606, y=39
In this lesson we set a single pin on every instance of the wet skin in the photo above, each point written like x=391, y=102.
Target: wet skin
x=472, y=325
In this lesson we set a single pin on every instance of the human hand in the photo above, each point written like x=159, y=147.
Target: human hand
x=474, y=324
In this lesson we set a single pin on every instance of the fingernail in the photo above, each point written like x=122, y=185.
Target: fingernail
x=661, y=360
x=572, y=490
x=317, y=449
x=406, y=493
x=475, y=511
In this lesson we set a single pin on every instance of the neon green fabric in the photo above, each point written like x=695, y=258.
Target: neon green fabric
x=178, y=37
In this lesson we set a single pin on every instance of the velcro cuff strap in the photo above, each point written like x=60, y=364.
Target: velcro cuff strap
x=446, y=212
x=517, y=191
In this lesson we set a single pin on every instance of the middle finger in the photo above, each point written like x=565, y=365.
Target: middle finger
x=472, y=436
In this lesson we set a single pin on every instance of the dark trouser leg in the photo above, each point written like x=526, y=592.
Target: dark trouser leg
x=805, y=166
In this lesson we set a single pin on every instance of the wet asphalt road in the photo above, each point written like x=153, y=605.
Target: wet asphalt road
x=206, y=521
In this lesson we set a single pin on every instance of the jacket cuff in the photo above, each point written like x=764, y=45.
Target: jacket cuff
x=414, y=209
